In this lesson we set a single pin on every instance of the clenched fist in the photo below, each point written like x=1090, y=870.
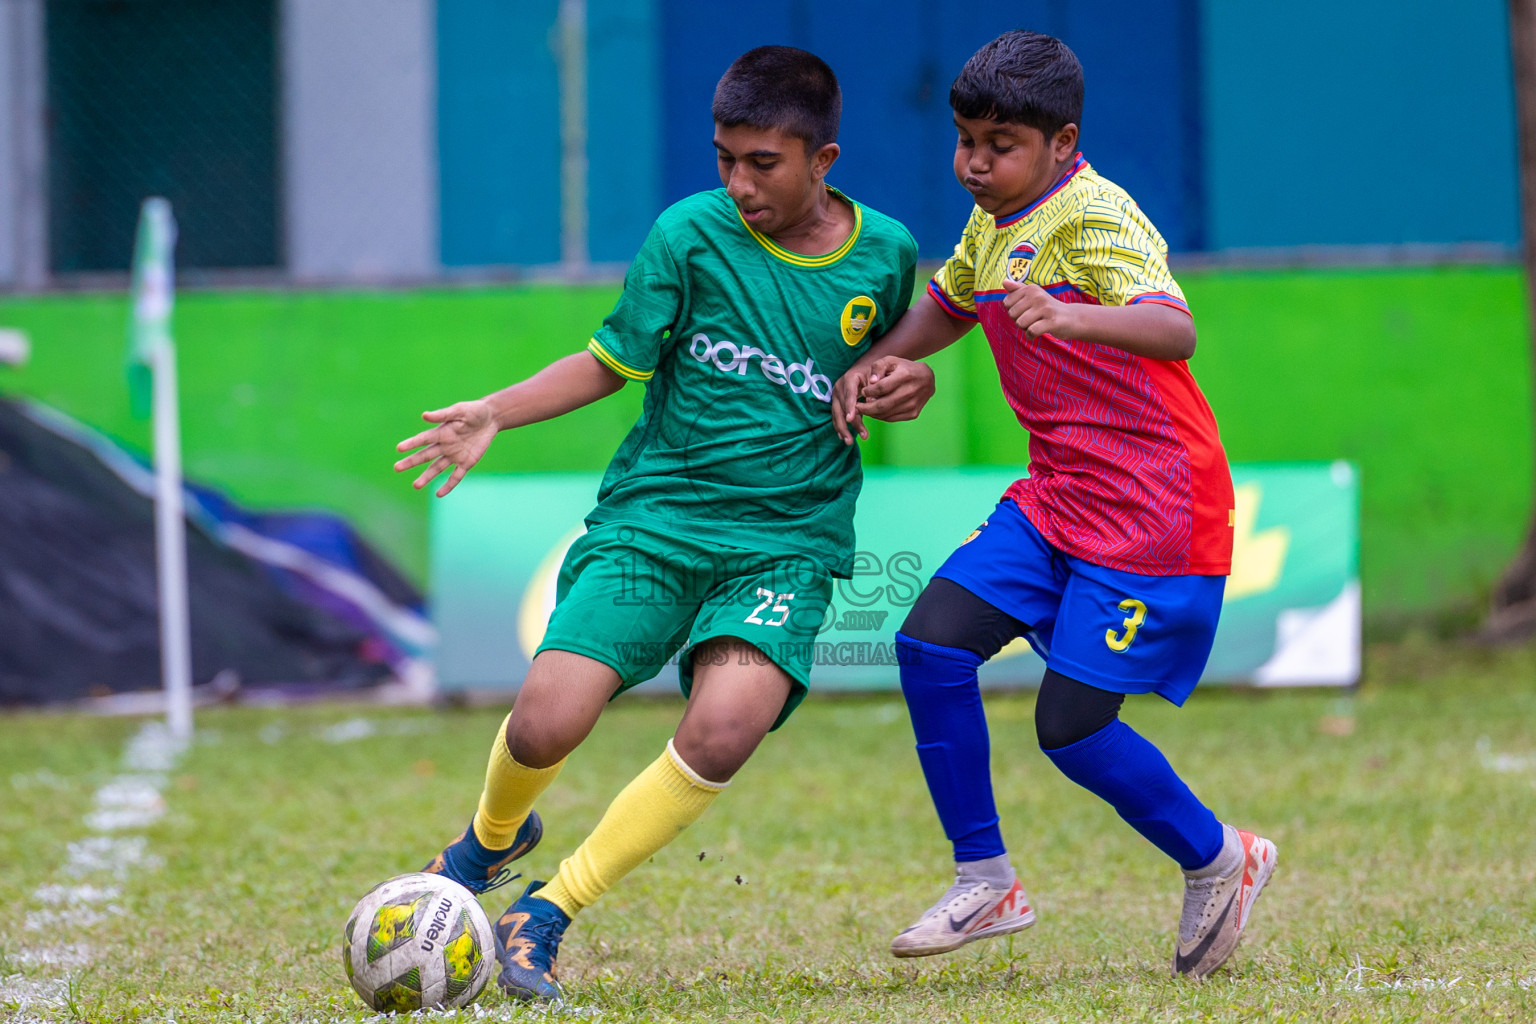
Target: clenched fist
x=1034, y=310
x=889, y=388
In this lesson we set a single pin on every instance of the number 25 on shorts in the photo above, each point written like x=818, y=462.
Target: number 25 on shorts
x=780, y=604
x=1132, y=623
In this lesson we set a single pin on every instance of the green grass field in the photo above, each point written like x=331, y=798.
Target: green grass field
x=1422, y=376
x=1404, y=815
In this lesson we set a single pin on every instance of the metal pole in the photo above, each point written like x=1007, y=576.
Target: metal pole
x=154, y=297
x=572, y=34
x=171, y=549
x=25, y=119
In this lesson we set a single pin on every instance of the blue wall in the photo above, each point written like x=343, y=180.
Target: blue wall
x=624, y=140
x=1359, y=123
x=499, y=129
x=1234, y=123
x=498, y=118
x=895, y=60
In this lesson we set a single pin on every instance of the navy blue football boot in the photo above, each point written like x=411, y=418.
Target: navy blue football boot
x=527, y=941
x=480, y=869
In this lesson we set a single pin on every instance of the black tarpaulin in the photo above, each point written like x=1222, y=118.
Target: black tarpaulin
x=78, y=603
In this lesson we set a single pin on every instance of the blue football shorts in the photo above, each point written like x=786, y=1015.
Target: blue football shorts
x=1118, y=631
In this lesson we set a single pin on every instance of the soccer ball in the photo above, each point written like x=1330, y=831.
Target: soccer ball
x=418, y=941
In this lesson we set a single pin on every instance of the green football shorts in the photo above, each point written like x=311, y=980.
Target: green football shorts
x=632, y=597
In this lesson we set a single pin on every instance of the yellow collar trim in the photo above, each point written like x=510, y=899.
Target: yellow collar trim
x=800, y=259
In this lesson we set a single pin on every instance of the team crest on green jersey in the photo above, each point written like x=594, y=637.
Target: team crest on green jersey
x=857, y=317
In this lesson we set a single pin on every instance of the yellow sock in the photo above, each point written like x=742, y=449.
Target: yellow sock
x=510, y=790
x=650, y=812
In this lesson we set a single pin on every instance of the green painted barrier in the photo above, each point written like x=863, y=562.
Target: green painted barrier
x=1292, y=612
x=295, y=400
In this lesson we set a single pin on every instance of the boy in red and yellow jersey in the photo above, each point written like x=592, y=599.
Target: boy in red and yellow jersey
x=1111, y=557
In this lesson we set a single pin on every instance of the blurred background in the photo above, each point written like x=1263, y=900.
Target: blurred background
x=389, y=205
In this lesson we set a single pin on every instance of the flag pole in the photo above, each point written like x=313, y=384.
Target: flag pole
x=153, y=300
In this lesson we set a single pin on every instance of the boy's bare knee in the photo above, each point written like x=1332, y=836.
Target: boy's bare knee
x=716, y=752
x=559, y=702
x=535, y=745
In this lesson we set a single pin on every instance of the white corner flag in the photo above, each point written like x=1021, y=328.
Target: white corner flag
x=152, y=349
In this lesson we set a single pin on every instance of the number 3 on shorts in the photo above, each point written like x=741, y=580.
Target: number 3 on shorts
x=780, y=604
x=1132, y=623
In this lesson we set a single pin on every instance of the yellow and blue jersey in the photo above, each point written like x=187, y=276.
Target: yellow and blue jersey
x=1084, y=240
x=1126, y=465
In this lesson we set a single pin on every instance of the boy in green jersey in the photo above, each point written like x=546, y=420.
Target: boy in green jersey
x=727, y=510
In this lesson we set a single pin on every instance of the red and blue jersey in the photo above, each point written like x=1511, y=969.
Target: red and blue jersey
x=1126, y=468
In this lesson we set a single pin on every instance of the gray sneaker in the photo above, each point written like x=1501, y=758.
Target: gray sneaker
x=1216, y=907
x=967, y=912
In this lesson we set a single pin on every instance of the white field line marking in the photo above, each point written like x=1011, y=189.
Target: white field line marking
x=84, y=906
x=125, y=818
x=75, y=895
x=1503, y=764
x=1355, y=979
x=127, y=801
x=77, y=917
x=363, y=728
x=132, y=792
x=21, y=993
x=40, y=778
x=152, y=749
x=472, y=1012
x=102, y=854
x=480, y=1012
x=67, y=956
x=351, y=729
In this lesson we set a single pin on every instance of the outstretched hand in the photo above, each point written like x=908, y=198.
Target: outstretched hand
x=889, y=389
x=464, y=431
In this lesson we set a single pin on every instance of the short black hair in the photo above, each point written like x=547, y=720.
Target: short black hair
x=784, y=88
x=1024, y=78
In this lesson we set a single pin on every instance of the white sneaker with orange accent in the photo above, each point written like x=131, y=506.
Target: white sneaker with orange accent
x=967, y=912
x=1216, y=907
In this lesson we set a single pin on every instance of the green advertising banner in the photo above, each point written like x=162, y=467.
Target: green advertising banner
x=1291, y=617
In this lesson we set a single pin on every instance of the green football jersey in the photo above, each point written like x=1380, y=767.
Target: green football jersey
x=739, y=342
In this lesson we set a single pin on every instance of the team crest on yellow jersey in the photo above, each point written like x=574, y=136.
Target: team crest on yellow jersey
x=1019, y=260
x=858, y=315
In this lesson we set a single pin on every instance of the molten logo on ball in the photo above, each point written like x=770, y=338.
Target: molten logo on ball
x=417, y=941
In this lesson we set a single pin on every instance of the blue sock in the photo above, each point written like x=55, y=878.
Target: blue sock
x=1119, y=765
x=944, y=700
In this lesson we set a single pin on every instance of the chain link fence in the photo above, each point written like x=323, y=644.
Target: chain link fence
x=295, y=139
x=176, y=98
